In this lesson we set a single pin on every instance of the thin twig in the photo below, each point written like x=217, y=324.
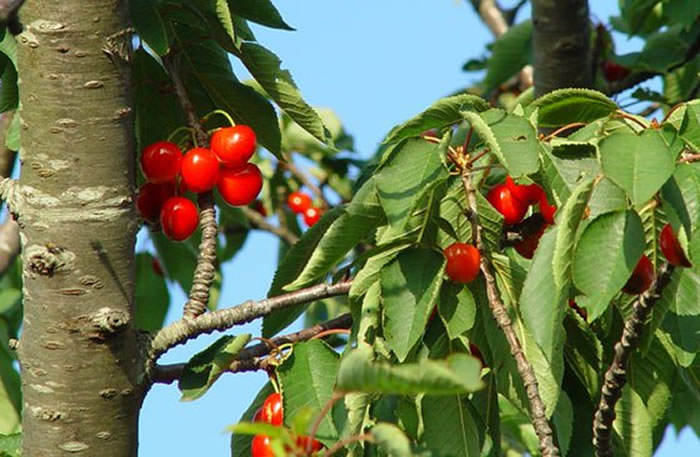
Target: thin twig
x=616, y=375
x=547, y=445
x=689, y=158
x=185, y=329
x=324, y=411
x=249, y=359
x=260, y=223
x=349, y=440
x=301, y=176
x=205, y=270
x=492, y=15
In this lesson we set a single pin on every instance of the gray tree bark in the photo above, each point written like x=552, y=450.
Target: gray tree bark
x=79, y=352
x=561, y=39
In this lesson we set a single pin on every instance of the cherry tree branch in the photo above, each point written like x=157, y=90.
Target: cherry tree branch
x=260, y=223
x=250, y=358
x=186, y=328
x=616, y=375
x=547, y=445
x=205, y=269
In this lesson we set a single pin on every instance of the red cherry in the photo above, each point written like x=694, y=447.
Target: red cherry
x=234, y=146
x=474, y=350
x=160, y=161
x=200, y=170
x=463, y=262
x=312, y=215
x=546, y=209
x=613, y=71
x=150, y=199
x=298, y=202
x=260, y=208
x=155, y=265
x=581, y=312
x=179, y=218
x=272, y=411
x=672, y=249
x=308, y=445
x=528, y=194
x=527, y=246
x=512, y=209
x=240, y=187
x=257, y=417
x=260, y=447
x=641, y=278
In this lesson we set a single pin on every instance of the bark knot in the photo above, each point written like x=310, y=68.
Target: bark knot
x=108, y=321
x=48, y=259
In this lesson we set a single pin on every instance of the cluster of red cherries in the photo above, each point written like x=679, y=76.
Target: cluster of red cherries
x=300, y=203
x=272, y=412
x=169, y=174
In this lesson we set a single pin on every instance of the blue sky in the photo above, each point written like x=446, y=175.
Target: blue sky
x=376, y=63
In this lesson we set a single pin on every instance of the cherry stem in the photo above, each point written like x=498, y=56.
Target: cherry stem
x=629, y=117
x=674, y=108
x=349, y=440
x=468, y=139
x=333, y=331
x=221, y=113
x=573, y=125
x=478, y=156
x=317, y=422
x=175, y=132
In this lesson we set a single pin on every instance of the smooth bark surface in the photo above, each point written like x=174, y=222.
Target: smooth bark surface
x=561, y=39
x=78, y=352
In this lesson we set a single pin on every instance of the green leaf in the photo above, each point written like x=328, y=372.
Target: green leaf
x=542, y=302
x=457, y=309
x=150, y=294
x=149, y=25
x=583, y=353
x=205, y=367
x=261, y=11
x=413, y=168
x=410, y=285
x=177, y=259
x=339, y=238
x=444, y=112
x=265, y=68
x=206, y=66
x=449, y=426
x=510, y=53
x=517, y=141
x=289, y=269
x=565, y=106
x=563, y=421
x=568, y=223
x=10, y=393
x=9, y=95
x=459, y=373
x=12, y=137
x=390, y=439
x=307, y=379
x=620, y=236
x=633, y=425
x=639, y=164
x=11, y=445
x=690, y=128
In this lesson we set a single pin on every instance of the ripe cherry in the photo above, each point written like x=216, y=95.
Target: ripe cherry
x=179, y=218
x=641, y=278
x=234, y=146
x=161, y=161
x=463, y=262
x=512, y=209
x=272, y=411
x=672, y=249
x=527, y=246
x=581, y=312
x=150, y=199
x=307, y=445
x=528, y=194
x=257, y=417
x=200, y=170
x=474, y=350
x=240, y=187
x=259, y=207
x=546, y=209
x=312, y=215
x=298, y=202
x=260, y=447
x=613, y=71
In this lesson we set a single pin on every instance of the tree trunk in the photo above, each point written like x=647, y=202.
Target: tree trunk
x=561, y=40
x=78, y=352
